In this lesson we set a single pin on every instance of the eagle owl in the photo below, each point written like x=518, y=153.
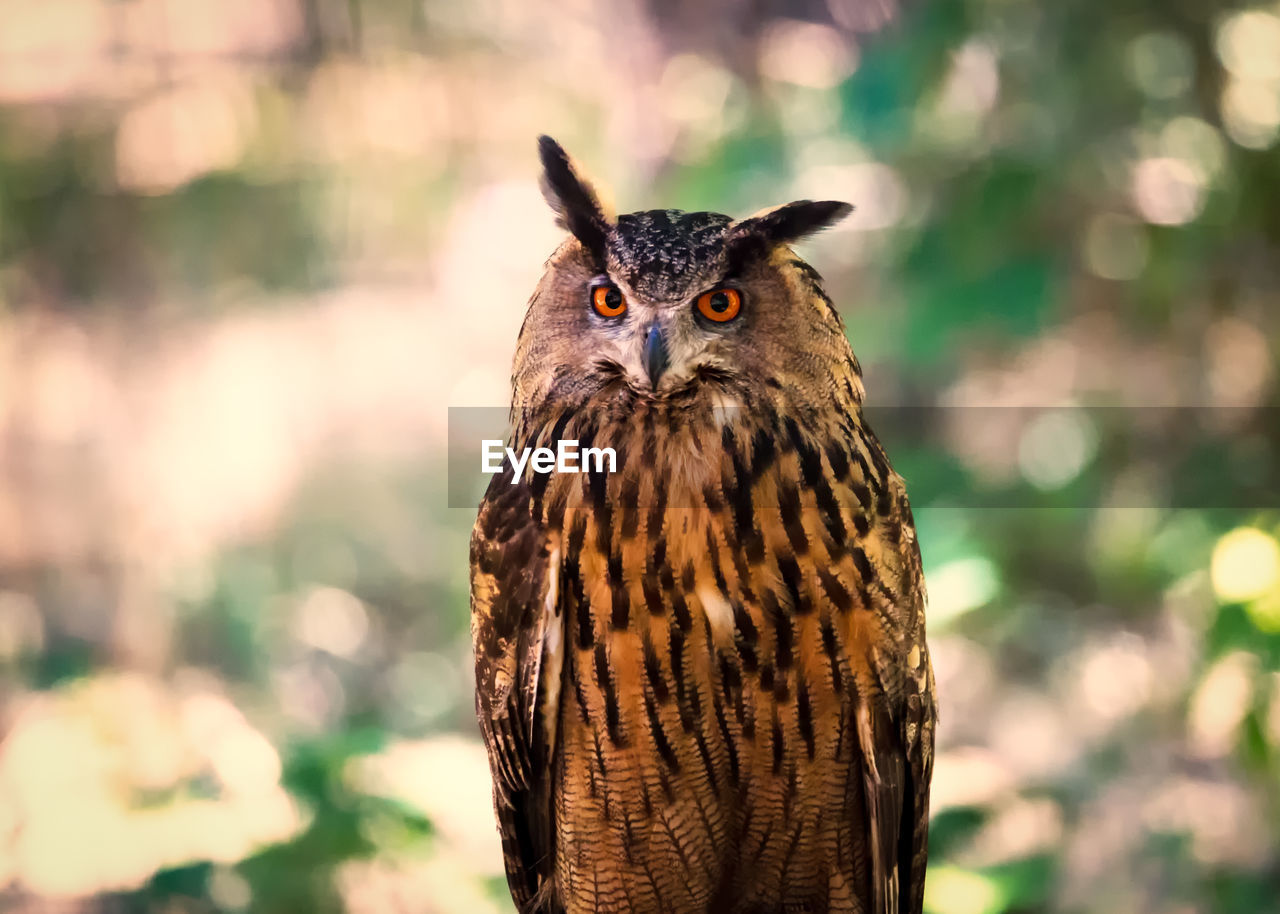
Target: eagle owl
x=702, y=678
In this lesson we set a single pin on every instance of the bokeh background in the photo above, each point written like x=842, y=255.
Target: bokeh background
x=251, y=251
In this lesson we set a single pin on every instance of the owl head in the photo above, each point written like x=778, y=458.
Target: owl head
x=665, y=306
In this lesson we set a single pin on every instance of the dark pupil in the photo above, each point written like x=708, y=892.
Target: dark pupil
x=719, y=303
x=612, y=299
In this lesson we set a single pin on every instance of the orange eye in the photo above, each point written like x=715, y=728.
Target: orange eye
x=608, y=301
x=720, y=305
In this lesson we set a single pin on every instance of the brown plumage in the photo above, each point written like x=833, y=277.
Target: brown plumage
x=702, y=679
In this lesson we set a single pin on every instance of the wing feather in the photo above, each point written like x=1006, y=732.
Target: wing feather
x=514, y=573
x=894, y=721
x=882, y=778
x=920, y=713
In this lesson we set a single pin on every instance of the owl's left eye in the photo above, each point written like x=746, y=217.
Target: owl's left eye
x=720, y=305
x=608, y=301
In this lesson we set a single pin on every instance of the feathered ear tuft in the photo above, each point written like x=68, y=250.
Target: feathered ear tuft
x=571, y=196
x=758, y=234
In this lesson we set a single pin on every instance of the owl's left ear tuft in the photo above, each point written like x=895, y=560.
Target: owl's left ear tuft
x=760, y=233
x=576, y=204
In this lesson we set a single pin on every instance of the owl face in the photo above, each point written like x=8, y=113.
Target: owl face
x=665, y=305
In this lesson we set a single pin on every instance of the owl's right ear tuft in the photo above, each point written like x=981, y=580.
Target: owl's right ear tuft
x=756, y=235
x=571, y=196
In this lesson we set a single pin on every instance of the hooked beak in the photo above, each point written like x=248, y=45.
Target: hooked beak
x=656, y=358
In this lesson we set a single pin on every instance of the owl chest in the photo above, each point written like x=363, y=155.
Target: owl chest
x=704, y=710
x=719, y=577
x=675, y=634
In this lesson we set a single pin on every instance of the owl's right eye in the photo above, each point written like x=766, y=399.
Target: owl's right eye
x=608, y=301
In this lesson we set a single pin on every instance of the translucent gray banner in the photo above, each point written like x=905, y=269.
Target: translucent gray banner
x=992, y=457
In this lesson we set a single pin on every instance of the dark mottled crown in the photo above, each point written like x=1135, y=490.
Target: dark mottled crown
x=660, y=251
